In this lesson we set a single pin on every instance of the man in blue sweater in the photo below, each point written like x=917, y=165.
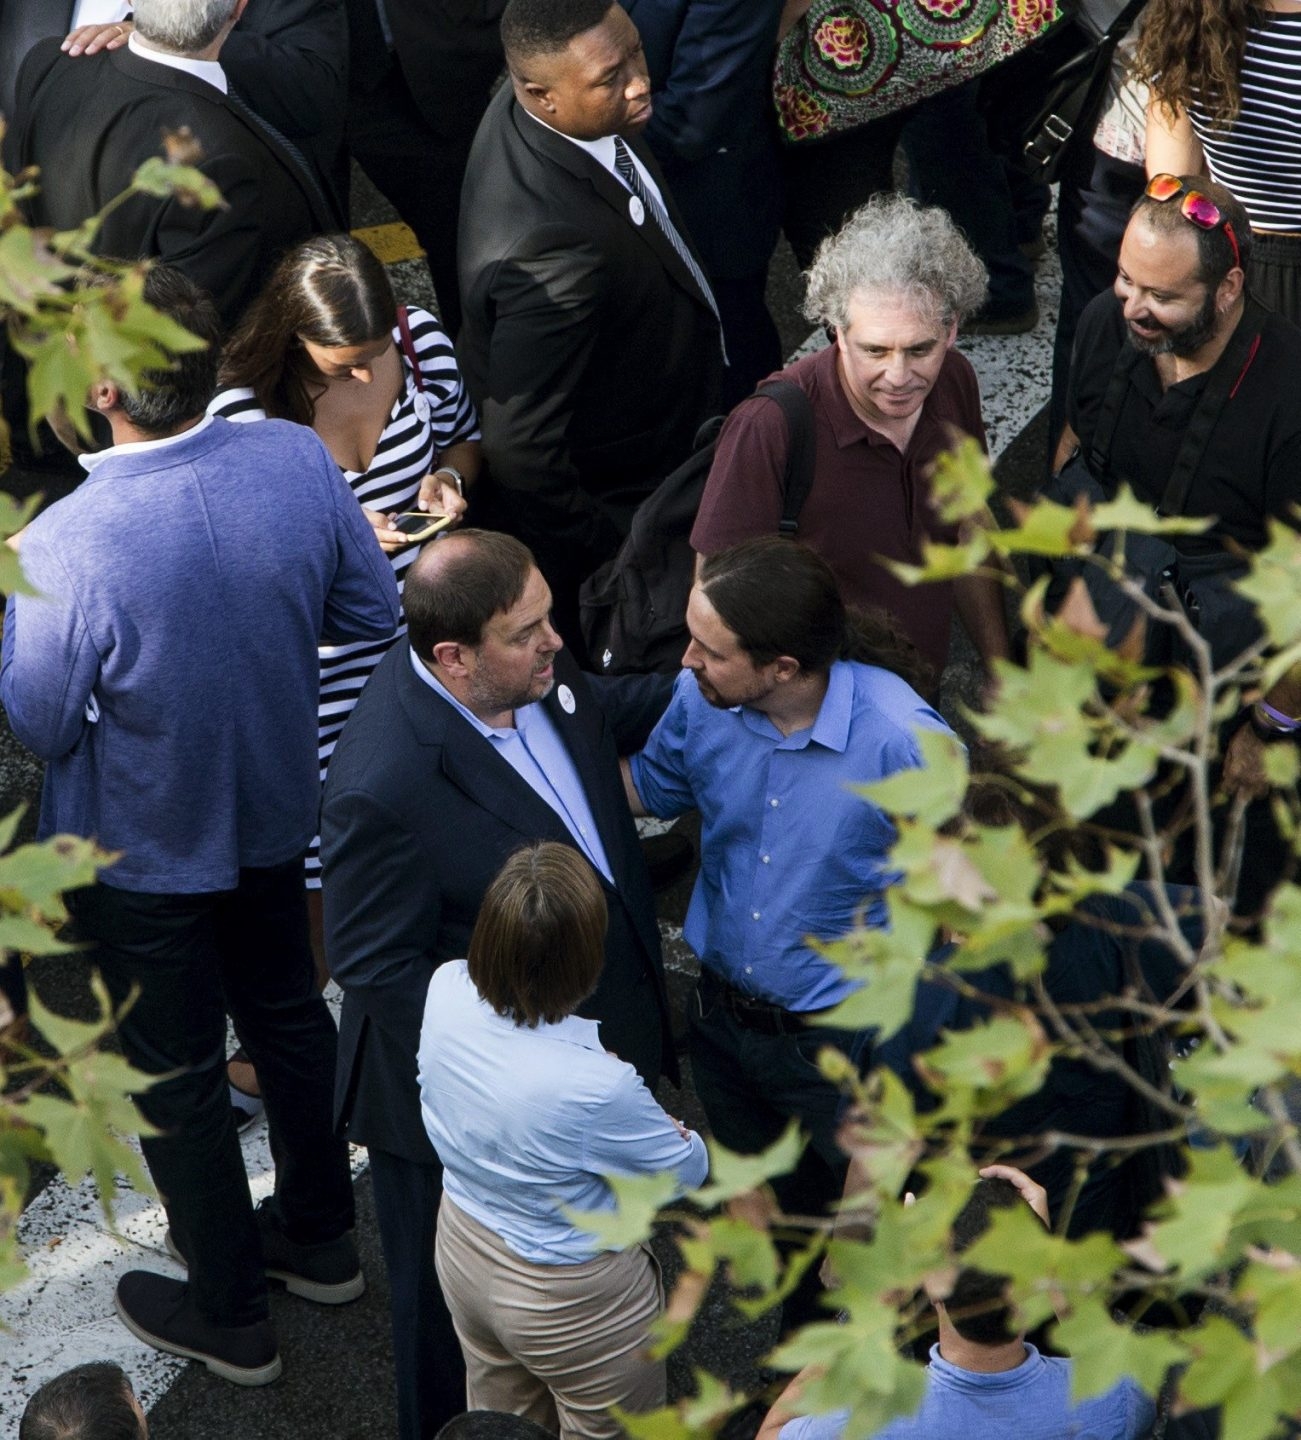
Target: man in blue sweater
x=167, y=673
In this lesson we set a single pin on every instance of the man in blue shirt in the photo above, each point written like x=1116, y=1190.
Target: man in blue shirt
x=785, y=705
x=984, y=1381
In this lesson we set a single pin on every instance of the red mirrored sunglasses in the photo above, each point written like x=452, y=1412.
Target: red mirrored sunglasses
x=1200, y=209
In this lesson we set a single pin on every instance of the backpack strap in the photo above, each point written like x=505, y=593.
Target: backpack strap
x=1221, y=385
x=797, y=480
x=409, y=349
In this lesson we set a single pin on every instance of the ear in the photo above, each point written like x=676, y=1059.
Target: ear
x=103, y=396
x=951, y=335
x=785, y=668
x=1229, y=291
x=539, y=94
x=449, y=656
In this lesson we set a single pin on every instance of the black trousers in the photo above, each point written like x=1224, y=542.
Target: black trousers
x=191, y=960
x=752, y=1085
x=427, y=1359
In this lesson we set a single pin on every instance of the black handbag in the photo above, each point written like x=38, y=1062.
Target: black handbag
x=1040, y=100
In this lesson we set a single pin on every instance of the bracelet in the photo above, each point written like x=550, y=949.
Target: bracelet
x=1276, y=717
x=1272, y=725
x=456, y=476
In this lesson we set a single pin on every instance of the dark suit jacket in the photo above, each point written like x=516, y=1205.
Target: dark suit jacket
x=449, y=52
x=420, y=813
x=714, y=129
x=89, y=122
x=588, y=348
x=287, y=58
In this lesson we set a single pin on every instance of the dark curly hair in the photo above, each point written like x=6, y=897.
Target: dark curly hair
x=1192, y=50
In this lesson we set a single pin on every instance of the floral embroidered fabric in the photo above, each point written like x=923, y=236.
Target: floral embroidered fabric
x=851, y=61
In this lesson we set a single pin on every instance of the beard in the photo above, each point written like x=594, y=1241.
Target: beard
x=1182, y=340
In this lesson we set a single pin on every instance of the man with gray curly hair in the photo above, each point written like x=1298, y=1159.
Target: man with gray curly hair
x=888, y=396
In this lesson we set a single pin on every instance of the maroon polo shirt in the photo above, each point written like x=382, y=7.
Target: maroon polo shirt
x=867, y=500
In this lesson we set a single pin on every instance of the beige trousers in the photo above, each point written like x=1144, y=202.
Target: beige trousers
x=559, y=1344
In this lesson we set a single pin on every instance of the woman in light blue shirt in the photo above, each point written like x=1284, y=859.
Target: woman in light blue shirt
x=528, y=1113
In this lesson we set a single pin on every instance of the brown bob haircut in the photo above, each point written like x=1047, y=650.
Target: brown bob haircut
x=539, y=942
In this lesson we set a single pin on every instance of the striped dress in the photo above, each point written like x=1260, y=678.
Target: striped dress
x=1258, y=156
x=420, y=427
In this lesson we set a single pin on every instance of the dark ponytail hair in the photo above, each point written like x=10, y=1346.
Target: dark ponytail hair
x=781, y=598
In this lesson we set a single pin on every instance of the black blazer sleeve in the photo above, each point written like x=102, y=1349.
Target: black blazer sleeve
x=289, y=59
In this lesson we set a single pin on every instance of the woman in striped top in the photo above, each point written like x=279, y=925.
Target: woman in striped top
x=1226, y=101
x=326, y=345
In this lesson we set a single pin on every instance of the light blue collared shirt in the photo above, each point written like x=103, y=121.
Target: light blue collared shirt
x=787, y=849
x=537, y=754
x=527, y=1121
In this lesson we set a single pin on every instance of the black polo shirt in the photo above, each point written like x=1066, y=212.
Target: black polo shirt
x=1252, y=465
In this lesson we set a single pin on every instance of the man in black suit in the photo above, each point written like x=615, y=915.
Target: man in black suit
x=590, y=341
x=478, y=736
x=287, y=59
x=420, y=77
x=89, y=121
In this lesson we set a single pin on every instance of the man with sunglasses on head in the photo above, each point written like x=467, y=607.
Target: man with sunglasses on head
x=1183, y=387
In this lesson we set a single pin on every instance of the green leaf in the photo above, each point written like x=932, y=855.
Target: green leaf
x=161, y=178
x=1127, y=513
x=731, y=1174
x=961, y=482
x=1282, y=766
x=887, y=999
x=34, y=877
x=1274, y=583
x=933, y=793
x=940, y=562
x=1102, y=1351
x=1199, y=1213
x=997, y=1062
x=1045, y=528
x=638, y=1199
x=1231, y=1371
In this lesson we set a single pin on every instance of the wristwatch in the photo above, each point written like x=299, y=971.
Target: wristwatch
x=456, y=475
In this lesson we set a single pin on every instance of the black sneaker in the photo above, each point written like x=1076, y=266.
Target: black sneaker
x=158, y=1311
x=328, y=1273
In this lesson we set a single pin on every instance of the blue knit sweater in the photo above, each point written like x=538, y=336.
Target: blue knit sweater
x=167, y=671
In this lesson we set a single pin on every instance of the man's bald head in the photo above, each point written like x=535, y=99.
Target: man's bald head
x=457, y=585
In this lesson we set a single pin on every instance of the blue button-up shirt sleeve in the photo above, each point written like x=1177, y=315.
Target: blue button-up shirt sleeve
x=631, y=1135
x=660, y=772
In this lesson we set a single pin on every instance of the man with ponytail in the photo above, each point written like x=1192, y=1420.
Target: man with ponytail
x=786, y=701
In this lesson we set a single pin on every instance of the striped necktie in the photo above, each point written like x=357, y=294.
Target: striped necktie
x=631, y=177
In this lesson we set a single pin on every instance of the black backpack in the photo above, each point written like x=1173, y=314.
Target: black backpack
x=632, y=611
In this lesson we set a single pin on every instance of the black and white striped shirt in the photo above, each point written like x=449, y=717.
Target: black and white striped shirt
x=1258, y=157
x=420, y=426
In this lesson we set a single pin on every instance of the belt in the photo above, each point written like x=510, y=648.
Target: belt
x=754, y=1014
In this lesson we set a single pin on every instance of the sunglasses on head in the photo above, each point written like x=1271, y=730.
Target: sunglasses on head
x=1195, y=207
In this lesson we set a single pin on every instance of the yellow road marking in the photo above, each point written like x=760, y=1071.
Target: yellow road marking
x=390, y=242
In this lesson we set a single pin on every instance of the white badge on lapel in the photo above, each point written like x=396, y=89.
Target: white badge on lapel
x=566, y=697
x=422, y=407
x=636, y=209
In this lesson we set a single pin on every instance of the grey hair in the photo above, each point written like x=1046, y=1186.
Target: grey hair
x=894, y=246
x=182, y=26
